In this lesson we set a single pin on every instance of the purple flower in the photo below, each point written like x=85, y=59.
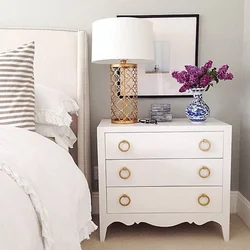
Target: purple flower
x=228, y=76
x=184, y=87
x=195, y=77
x=224, y=67
x=193, y=70
x=208, y=64
x=175, y=74
x=205, y=80
x=222, y=72
x=201, y=71
x=181, y=76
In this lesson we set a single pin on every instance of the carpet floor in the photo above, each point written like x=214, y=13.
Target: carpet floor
x=181, y=237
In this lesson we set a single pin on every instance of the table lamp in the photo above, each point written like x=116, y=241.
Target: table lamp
x=123, y=43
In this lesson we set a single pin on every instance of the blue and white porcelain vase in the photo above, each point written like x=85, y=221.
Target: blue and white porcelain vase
x=197, y=110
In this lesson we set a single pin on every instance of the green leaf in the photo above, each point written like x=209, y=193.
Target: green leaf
x=213, y=73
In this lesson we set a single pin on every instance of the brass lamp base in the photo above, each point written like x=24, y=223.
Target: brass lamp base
x=123, y=93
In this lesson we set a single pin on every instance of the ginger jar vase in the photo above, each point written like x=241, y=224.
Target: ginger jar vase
x=197, y=111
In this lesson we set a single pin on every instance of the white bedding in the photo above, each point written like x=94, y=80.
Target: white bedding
x=41, y=192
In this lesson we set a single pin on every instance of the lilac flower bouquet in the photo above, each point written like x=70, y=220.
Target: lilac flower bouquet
x=203, y=77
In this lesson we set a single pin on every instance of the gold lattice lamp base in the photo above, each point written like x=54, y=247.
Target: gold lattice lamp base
x=123, y=93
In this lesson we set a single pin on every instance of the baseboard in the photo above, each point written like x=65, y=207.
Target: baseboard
x=233, y=204
x=243, y=209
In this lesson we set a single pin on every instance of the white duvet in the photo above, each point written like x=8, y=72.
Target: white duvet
x=44, y=198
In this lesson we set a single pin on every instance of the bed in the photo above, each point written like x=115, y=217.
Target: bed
x=45, y=198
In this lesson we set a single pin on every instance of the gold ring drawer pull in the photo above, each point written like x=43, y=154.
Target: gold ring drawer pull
x=126, y=171
x=124, y=142
x=203, y=143
x=201, y=198
x=208, y=172
x=126, y=202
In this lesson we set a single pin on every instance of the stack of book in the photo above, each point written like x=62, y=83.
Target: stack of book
x=161, y=112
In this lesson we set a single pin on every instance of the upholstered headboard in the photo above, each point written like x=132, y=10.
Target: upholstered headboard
x=61, y=61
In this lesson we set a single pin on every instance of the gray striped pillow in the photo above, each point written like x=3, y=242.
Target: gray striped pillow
x=17, y=97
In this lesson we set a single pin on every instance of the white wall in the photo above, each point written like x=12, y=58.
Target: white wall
x=244, y=186
x=221, y=33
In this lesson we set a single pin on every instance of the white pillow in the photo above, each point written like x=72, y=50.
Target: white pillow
x=63, y=135
x=53, y=106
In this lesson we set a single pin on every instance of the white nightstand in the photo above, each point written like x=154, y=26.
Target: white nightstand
x=164, y=174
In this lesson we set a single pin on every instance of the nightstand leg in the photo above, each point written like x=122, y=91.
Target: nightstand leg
x=225, y=231
x=102, y=232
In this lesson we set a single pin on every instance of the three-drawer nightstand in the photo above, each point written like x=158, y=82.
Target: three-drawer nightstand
x=164, y=174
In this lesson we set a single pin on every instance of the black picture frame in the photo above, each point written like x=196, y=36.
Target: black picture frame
x=178, y=27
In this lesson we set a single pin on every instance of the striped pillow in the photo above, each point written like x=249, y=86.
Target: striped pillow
x=17, y=98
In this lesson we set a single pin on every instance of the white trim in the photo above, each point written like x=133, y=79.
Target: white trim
x=243, y=209
x=233, y=202
x=233, y=205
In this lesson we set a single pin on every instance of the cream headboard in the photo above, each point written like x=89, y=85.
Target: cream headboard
x=61, y=61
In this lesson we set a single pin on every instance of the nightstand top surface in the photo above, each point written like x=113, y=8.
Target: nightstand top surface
x=176, y=123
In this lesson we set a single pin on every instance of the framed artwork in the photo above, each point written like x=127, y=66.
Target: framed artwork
x=176, y=45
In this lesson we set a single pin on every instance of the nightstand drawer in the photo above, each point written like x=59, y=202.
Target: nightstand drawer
x=164, y=145
x=164, y=172
x=162, y=199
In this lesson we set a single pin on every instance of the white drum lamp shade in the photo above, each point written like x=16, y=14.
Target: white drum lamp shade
x=114, y=39
x=123, y=43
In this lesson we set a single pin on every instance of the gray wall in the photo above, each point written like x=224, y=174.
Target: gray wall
x=221, y=34
x=244, y=177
